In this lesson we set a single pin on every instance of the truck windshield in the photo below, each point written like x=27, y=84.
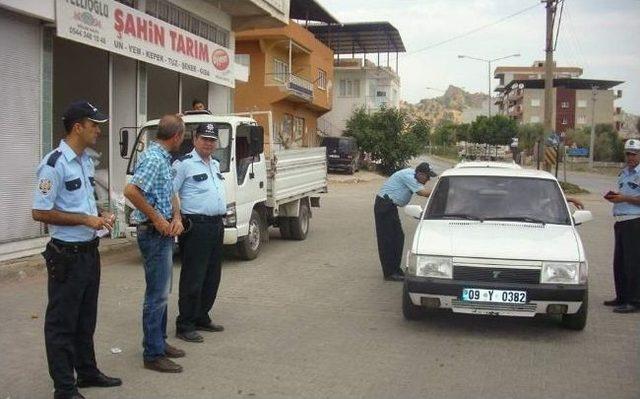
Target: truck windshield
x=528, y=200
x=222, y=153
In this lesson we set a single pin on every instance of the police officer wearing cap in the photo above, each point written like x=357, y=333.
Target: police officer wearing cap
x=626, y=211
x=64, y=200
x=200, y=185
x=395, y=192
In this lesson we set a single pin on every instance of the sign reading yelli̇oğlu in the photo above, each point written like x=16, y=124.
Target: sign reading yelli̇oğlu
x=119, y=29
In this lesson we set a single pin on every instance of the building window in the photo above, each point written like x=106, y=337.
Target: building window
x=535, y=102
x=564, y=104
x=183, y=19
x=582, y=103
x=280, y=70
x=381, y=93
x=582, y=120
x=535, y=119
x=322, y=79
x=349, y=88
x=565, y=121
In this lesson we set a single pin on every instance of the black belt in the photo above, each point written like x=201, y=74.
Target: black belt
x=76, y=247
x=388, y=199
x=196, y=218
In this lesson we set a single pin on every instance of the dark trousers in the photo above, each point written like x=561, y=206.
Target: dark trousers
x=389, y=234
x=70, y=321
x=201, y=254
x=626, y=261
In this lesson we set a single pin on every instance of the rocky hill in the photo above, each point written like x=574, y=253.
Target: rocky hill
x=455, y=104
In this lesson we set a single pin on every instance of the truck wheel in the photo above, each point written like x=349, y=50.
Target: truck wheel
x=409, y=310
x=577, y=321
x=300, y=226
x=249, y=248
x=284, y=224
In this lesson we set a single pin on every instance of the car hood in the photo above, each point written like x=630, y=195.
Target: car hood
x=497, y=240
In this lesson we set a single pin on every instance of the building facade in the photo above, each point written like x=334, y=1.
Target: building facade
x=506, y=74
x=135, y=59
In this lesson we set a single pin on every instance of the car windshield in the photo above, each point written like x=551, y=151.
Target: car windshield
x=498, y=198
x=222, y=153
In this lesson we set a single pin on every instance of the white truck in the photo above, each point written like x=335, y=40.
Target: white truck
x=262, y=190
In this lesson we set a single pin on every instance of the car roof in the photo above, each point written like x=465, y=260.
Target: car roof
x=495, y=169
x=205, y=118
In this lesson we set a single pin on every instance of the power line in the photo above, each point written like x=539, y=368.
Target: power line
x=475, y=29
x=555, y=45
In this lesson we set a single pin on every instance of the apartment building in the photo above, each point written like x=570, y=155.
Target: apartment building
x=506, y=74
x=290, y=78
x=365, y=70
x=134, y=59
x=574, y=102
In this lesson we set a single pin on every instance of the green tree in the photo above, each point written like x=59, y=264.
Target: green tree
x=389, y=135
x=497, y=130
x=529, y=134
x=445, y=133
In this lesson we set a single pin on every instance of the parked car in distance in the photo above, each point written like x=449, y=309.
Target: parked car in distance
x=496, y=239
x=342, y=154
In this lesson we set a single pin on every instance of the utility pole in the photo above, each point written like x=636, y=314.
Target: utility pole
x=592, y=139
x=489, y=88
x=548, y=76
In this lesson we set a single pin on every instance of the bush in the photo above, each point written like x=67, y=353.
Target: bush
x=389, y=135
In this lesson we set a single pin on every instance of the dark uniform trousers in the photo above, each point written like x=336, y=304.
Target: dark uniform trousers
x=389, y=234
x=626, y=261
x=70, y=319
x=201, y=255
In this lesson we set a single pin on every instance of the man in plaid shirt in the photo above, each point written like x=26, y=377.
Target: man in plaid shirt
x=158, y=221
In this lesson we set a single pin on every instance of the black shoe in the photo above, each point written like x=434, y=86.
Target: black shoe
x=394, y=277
x=211, y=327
x=613, y=302
x=99, y=380
x=626, y=308
x=190, y=336
x=163, y=365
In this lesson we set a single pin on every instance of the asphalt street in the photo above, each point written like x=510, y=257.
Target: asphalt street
x=315, y=319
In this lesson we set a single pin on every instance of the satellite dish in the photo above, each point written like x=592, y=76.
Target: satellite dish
x=521, y=86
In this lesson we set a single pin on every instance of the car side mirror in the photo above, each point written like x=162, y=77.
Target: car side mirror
x=415, y=211
x=580, y=217
x=256, y=140
x=124, y=143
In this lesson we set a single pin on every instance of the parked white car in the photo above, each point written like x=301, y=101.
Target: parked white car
x=496, y=239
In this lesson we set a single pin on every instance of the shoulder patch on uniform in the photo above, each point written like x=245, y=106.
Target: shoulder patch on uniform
x=53, y=158
x=186, y=156
x=45, y=185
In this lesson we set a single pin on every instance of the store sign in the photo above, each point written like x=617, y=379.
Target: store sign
x=114, y=27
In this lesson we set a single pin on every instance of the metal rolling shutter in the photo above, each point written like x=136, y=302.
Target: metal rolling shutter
x=20, y=123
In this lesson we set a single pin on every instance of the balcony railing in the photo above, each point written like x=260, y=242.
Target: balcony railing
x=295, y=85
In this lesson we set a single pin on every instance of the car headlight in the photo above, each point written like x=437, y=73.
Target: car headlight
x=230, y=218
x=429, y=266
x=562, y=273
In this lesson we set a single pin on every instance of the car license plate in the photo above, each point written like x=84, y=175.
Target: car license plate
x=499, y=296
x=334, y=156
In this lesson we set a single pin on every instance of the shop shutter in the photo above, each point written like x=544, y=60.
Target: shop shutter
x=20, y=123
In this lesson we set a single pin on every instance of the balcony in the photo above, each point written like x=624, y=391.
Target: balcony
x=297, y=88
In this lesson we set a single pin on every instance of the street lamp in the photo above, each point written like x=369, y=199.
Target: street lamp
x=489, y=66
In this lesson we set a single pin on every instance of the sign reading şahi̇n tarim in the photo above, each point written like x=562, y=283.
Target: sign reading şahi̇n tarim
x=119, y=29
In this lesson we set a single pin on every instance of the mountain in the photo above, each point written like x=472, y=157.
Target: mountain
x=455, y=104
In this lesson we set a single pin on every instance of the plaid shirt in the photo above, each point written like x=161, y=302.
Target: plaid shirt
x=154, y=176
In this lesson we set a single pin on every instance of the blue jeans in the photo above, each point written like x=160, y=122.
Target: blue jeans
x=157, y=254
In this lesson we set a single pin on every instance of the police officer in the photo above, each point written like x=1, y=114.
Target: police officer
x=64, y=199
x=395, y=192
x=200, y=185
x=626, y=211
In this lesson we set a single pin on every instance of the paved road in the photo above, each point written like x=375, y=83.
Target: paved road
x=314, y=319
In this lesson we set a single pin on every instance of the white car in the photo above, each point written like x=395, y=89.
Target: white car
x=496, y=239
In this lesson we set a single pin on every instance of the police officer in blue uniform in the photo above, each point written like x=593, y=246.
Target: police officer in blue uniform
x=64, y=200
x=395, y=192
x=200, y=186
x=626, y=211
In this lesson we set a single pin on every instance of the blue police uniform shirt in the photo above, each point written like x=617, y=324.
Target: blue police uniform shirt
x=66, y=183
x=200, y=185
x=154, y=176
x=401, y=186
x=628, y=184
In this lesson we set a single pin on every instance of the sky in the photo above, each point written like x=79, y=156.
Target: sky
x=602, y=37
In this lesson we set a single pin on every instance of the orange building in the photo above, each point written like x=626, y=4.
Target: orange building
x=290, y=74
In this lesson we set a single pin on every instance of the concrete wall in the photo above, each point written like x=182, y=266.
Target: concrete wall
x=604, y=107
x=333, y=122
